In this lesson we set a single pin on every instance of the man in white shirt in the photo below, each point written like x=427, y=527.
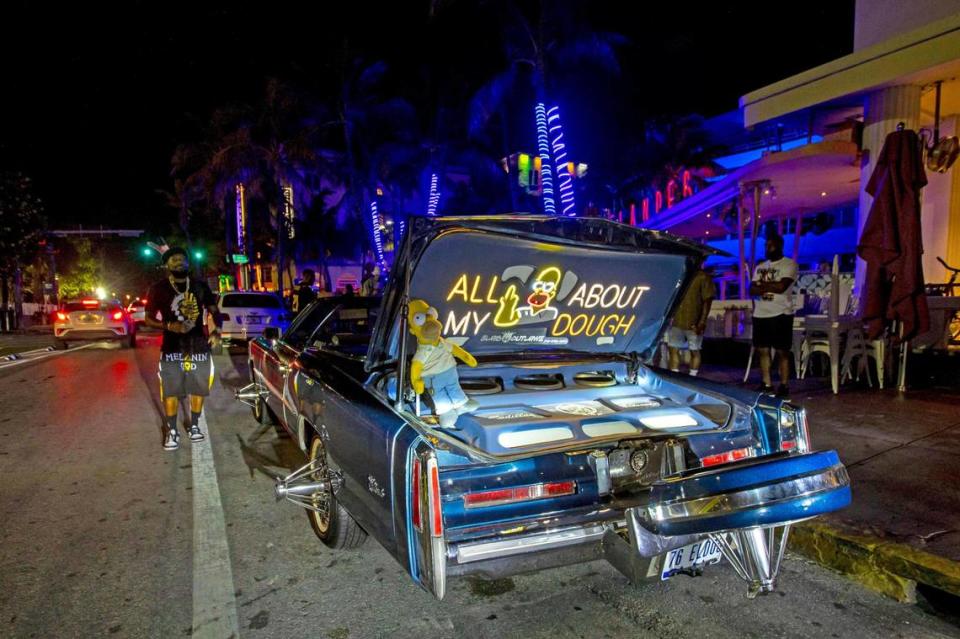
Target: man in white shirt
x=773, y=313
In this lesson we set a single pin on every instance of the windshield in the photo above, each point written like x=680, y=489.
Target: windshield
x=496, y=294
x=249, y=300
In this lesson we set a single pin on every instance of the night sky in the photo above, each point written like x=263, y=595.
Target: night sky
x=97, y=95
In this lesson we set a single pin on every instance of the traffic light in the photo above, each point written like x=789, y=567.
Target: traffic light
x=147, y=251
x=197, y=254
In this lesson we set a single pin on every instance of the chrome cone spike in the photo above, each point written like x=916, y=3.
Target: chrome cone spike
x=756, y=554
x=250, y=393
x=309, y=486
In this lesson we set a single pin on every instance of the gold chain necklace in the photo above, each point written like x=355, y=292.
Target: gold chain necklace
x=178, y=291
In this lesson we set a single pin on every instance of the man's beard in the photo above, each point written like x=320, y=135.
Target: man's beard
x=179, y=273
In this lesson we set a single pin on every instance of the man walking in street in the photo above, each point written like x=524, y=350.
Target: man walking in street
x=690, y=320
x=186, y=365
x=304, y=295
x=773, y=313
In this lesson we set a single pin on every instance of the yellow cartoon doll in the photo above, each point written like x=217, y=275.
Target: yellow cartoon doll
x=434, y=367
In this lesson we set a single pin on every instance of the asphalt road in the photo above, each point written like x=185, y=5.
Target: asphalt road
x=103, y=533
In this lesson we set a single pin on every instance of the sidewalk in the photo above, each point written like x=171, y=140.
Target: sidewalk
x=903, y=456
x=26, y=340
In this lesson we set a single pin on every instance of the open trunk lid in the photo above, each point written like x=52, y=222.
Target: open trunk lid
x=506, y=285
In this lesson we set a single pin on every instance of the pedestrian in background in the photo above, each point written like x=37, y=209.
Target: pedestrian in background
x=773, y=313
x=304, y=295
x=690, y=320
x=368, y=287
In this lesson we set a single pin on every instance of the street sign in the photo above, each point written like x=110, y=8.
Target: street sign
x=239, y=259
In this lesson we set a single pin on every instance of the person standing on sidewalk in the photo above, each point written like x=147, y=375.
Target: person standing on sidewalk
x=690, y=320
x=773, y=313
x=186, y=365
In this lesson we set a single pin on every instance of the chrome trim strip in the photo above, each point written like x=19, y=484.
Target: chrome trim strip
x=479, y=551
x=807, y=486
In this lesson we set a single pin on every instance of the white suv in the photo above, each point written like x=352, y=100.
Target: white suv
x=246, y=313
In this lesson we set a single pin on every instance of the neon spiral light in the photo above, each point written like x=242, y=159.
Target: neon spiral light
x=564, y=178
x=434, y=200
x=546, y=171
x=377, y=240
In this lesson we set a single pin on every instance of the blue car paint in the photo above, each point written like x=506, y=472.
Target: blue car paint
x=524, y=472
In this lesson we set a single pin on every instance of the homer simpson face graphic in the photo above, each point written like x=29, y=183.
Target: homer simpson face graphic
x=544, y=289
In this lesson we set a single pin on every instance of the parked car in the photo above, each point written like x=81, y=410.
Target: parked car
x=137, y=310
x=246, y=313
x=578, y=449
x=90, y=319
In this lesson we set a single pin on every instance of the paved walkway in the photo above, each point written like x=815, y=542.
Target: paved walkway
x=903, y=455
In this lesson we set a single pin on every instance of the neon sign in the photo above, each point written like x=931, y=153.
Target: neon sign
x=591, y=309
x=673, y=193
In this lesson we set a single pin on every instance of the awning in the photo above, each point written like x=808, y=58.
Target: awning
x=812, y=178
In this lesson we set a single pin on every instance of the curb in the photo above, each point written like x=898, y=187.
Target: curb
x=890, y=568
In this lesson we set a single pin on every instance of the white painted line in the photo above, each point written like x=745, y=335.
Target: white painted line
x=16, y=362
x=214, y=601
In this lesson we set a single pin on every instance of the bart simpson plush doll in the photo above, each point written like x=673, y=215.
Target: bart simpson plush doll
x=434, y=367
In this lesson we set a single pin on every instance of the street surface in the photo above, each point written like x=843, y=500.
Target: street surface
x=102, y=533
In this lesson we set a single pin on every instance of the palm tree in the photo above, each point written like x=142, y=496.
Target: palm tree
x=536, y=53
x=268, y=148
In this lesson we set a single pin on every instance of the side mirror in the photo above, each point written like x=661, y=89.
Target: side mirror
x=272, y=333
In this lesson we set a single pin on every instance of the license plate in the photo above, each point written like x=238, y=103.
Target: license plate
x=254, y=319
x=89, y=319
x=690, y=558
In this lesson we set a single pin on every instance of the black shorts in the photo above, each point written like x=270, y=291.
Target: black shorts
x=183, y=374
x=773, y=332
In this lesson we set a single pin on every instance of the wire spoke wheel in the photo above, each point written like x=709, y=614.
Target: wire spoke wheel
x=320, y=500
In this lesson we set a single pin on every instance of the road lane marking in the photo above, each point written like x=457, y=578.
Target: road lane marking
x=214, y=601
x=42, y=356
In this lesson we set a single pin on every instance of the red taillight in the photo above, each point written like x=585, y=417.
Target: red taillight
x=788, y=444
x=61, y=316
x=436, y=514
x=118, y=315
x=502, y=496
x=726, y=458
x=415, y=495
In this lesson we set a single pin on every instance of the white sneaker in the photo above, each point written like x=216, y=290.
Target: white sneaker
x=172, y=442
x=195, y=434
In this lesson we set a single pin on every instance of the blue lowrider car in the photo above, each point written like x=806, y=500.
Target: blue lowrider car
x=578, y=450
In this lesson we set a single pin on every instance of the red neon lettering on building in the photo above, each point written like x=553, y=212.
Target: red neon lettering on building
x=671, y=193
x=687, y=189
x=657, y=201
x=633, y=215
x=645, y=211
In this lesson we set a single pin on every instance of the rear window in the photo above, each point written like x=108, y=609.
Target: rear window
x=249, y=300
x=69, y=307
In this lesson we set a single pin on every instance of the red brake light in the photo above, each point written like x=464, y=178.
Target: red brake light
x=61, y=316
x=436, y=515
x=415, y=495
x=726, y=458
x=90, y=302
x=118, y=315
x=500, y=496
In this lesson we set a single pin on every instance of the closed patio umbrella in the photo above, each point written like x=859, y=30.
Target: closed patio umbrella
x=891, y=243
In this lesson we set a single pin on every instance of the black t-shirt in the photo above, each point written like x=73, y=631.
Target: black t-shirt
x=185, y=303
x=302, y=297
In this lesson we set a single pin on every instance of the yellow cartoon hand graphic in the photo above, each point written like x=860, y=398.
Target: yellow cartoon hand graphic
x=507, y=312
x=189, y=307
